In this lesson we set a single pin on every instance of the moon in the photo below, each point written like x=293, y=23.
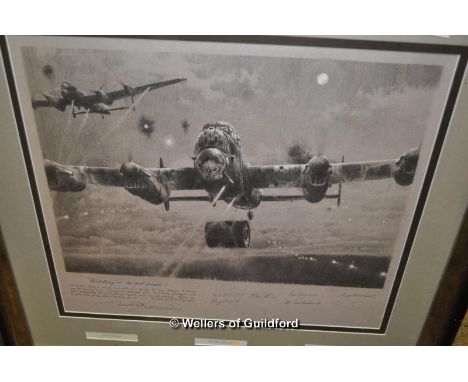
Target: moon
x=322, y=79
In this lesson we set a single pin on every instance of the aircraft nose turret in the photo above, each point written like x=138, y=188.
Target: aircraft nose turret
x=211, y=164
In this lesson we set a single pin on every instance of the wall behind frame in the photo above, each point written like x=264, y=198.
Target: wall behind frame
x=14, y=329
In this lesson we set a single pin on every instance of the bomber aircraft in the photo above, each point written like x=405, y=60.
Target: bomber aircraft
x=220, y=167
x=97, y=101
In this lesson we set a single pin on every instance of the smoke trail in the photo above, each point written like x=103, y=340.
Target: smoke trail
x=228, y=207
x=213, y=204
x=83, y=122
x=65, y=130
x=79, y=130
x=203, y=216
x=125, y=114
x=118, y=123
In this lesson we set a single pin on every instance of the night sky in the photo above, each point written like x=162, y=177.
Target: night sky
x=365, y=111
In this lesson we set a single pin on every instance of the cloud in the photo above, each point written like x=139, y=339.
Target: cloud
x=240, y=84
x=241, y=89
x=299, y=154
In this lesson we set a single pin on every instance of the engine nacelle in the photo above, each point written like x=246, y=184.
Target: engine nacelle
x=64, y=178
x=101, y=96
x=54, y=102
x=406, y=167
x=256, y=197
x=142, y=183
x=316, y=178
x=251, y=200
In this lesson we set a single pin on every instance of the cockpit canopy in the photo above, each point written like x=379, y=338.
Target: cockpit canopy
x=66, y=85
x=225, y=127
x=67, y=89
x=216, y=134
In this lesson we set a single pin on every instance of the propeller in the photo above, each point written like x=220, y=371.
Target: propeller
x=338, y=200
x=164, y=183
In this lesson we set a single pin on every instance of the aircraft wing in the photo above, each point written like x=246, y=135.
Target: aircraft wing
x=76, y=178
x=128, y=91
x=360, y=171
x=106, y=111
x=289, y=198
x=183, y=178
x=401, y=169
x=197, y=198
x=276, y=176
x=48, y=101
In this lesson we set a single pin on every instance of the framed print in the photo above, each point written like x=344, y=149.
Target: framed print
x=232, y=183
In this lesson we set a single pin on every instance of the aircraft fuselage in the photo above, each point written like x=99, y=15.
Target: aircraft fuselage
x=97, y=100
x=222, y=166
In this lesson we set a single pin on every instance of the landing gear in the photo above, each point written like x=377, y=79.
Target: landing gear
x=250, y=214
x=228, y=234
